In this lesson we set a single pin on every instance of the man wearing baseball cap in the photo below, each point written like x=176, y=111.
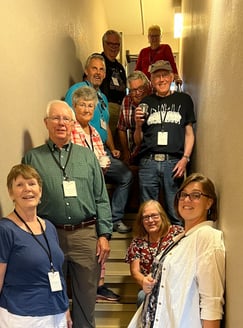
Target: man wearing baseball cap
x=165, y=136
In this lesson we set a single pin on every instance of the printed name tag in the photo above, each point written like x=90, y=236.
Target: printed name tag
x=69, y=188
x=103, y=124
x=162, y=138
x=55, y=281
x=115, y=81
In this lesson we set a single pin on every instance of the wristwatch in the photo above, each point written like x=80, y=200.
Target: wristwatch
x=187, y=158
x=106, y=235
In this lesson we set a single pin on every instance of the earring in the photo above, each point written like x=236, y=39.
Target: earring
x=209, y=213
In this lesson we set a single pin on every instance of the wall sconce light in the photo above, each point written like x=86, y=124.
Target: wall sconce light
x=178, y=22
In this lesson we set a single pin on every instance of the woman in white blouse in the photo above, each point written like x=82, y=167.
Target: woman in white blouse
x=190, y=278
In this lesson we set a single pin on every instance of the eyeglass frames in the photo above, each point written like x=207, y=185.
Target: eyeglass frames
x=195, y=195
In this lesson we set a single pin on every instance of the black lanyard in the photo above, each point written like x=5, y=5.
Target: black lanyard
x=58, y=163
x=48, y=250
x=91, y=140
x=101, y=103
x=162, y=120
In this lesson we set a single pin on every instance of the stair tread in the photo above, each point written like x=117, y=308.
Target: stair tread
x=118, y=279
x=109, y=306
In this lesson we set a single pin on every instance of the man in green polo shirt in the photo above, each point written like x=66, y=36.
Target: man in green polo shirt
x=75, y=200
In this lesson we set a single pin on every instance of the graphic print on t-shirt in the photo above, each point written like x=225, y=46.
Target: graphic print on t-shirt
x=116, y=82
x=164, y=114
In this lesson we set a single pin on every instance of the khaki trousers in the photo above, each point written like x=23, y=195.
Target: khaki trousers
x=79, y=247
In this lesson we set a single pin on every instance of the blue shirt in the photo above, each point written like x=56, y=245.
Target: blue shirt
x=26, y=288
x=101, y=111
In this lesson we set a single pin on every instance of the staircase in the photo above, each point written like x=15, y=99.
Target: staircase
x=118, y=278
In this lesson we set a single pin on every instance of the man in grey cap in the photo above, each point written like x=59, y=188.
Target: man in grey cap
x=164, y=133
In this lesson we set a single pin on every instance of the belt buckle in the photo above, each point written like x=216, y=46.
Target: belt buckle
x=68, y=227
x=83, y=224
x=159, y=157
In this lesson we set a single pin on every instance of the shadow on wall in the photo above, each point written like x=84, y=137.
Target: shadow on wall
x=72, y=63
x=1, y=211
x=28, y=144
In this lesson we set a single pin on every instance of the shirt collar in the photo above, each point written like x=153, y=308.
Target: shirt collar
x=54, y=147
x=199, y=225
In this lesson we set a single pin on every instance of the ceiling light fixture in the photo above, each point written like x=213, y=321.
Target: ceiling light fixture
x=178, y=23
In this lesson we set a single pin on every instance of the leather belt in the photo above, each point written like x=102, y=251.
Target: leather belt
x=161, y=157
x=71, y=227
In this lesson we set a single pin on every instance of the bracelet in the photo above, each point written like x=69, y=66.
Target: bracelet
x=187, y=158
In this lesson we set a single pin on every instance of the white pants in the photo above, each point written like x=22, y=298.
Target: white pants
x=9, y=320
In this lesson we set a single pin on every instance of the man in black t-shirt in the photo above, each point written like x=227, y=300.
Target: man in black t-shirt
x=114, y=84
x=165, y=136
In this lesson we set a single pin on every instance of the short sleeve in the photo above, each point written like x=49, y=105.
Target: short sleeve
x=6, y=242
x=132, y=251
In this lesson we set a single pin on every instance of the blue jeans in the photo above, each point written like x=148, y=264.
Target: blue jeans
x=140, y=297
x=119, y=174
x=153, y=176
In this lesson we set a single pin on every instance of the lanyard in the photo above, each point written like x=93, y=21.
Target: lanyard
x=63, y=168
x=48, y=250
x=162, y=120
x=101, y=104
x=91, y=140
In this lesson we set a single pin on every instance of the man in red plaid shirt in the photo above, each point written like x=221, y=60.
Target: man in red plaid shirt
x=139, y=87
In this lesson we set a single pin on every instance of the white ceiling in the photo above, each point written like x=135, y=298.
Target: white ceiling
x=133, y=17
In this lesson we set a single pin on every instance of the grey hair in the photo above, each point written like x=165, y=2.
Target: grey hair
x=138, y=75
x=154, y=28
x=53, y=102
x=85, y=93
x=110, y=32
x=94, y=56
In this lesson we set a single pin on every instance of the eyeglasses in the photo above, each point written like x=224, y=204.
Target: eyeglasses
x=83, y=105
x=57, y=119
x=112, y=44
x=195, y=195
x=152, y=217
x=137, y=90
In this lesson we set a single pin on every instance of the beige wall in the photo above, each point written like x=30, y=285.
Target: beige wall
x=212, y=67
x=44, y=45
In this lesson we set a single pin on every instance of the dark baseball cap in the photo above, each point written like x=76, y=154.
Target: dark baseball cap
x=160, y=65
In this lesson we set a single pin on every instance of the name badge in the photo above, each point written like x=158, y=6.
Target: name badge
x=115, y=81
x=69, y=188
x=103, y=124
x=162, y=138
x=55, y=281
